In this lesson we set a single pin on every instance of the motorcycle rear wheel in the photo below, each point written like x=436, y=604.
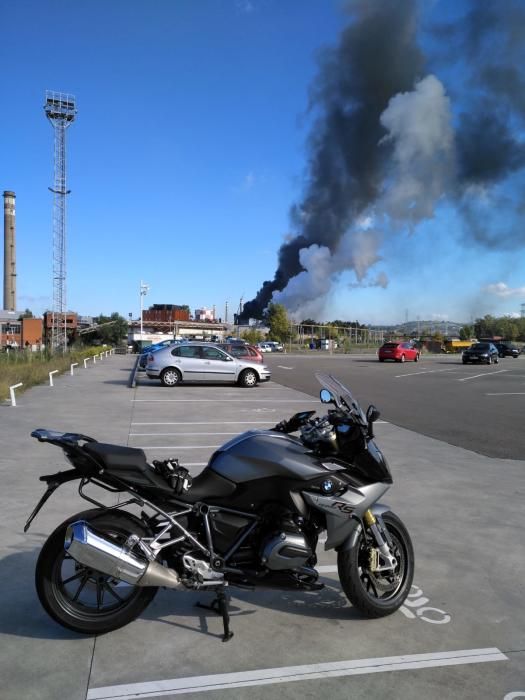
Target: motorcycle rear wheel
x=82, y=599
x=378, y=594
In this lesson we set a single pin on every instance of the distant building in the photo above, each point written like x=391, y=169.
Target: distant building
x=16, y=332
x=204, y=314
x=166, y=313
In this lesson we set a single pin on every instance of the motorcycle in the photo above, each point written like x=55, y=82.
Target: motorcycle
x=251, y=518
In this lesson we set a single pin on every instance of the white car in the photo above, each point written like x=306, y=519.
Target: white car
x=264, y=347
x=203, y=362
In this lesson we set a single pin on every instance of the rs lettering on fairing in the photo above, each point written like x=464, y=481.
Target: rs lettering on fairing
x=343, y=507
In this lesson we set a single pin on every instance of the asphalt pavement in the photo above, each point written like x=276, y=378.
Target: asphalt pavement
x=459, y=634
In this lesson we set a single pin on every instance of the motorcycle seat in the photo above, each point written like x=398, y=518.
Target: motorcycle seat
x=127, y=463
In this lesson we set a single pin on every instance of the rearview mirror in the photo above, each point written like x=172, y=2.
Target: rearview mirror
x=372, y=414
x=326, y=396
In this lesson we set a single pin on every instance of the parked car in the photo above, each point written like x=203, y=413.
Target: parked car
x=506, y=350
x=275, y=346
x=481, y=352
x=201, y=362
x=264, y=347
x=153, y=348
x=242, y=351
x=399, y=352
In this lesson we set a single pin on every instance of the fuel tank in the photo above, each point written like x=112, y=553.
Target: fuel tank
x=262, y=454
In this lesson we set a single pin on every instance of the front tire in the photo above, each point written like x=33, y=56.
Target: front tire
x=248, y=378
x=82, y=599
x=382, y=593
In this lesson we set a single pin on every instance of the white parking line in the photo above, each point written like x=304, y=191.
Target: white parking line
x=427, y=371
x=225, y=400
x=510, y=393
x=283, y=367
x=486, y=374
x=287, y=674
x=210, y=422
x=175, y=434
x=176, y=447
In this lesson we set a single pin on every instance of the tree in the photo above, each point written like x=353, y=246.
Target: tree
x=253, y=336
x=27, y=314
x=113, y=333
x=466, y=332
x=278, y=322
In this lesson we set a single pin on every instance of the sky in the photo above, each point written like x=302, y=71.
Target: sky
x=194, y=157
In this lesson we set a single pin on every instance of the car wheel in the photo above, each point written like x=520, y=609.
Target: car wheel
x=381, y=359
x=416, y=358
x=170, y=377
x=248, y=378
x=403, y=358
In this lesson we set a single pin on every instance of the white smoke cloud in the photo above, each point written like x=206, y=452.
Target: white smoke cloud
x=502, y=290
x=420, y=126
x=307, y=292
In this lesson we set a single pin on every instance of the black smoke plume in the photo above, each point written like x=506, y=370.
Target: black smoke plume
x=377, y=58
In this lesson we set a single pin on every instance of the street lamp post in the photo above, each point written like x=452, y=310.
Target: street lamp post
x=144, y=289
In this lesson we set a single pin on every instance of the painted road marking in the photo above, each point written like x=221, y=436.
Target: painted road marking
x=283, y=367
x=210, y=422
x=287, y=674
x=485, y=374
x=226, y=400
x=428, y=371
x=176, y=447
x=510, y=393
x=175, y=434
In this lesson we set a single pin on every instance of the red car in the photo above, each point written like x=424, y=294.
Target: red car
x=242, y=351
x=400, y=352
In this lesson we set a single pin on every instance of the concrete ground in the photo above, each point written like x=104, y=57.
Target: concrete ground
x=459, y=634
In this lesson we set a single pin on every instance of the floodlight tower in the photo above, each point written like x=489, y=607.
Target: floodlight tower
x=61, y=110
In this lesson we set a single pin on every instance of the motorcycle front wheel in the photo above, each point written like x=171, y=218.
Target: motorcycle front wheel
x=80, y=598
x=377, y=594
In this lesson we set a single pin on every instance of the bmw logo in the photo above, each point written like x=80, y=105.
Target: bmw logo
x=327, y=486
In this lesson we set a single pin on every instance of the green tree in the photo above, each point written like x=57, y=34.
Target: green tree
x=278, y=322
x=253, y=336
x=114, y=333
x=27, y=314
x=465, y=333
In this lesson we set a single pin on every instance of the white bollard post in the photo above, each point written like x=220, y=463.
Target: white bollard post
x=12, y=392
x=94, y=360
x=85, y=362
x=107, y=353
x=75, y=364
x=51, y=377
x=101, y=355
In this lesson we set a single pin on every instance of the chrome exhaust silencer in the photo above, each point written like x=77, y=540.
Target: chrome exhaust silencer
x=97, y=552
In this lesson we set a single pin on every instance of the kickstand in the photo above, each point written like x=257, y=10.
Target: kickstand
x=220, y=606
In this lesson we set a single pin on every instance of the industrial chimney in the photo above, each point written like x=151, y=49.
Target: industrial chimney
x=9, y=252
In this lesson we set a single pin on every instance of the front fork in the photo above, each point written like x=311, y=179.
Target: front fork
x=381, y=558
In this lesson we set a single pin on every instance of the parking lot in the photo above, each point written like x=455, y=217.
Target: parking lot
x=460, y=632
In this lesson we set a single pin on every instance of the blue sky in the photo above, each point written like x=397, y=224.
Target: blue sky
x=189, y=148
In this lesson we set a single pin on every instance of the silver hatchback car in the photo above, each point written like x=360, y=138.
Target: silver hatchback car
x=202, y=362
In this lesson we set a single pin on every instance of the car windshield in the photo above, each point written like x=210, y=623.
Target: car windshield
x=480, y=346
x=343, y=396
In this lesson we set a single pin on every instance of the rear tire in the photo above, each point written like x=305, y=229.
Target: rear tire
x=170, y=377
x=402, y=358
x=82, y=599
x=377, y=594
